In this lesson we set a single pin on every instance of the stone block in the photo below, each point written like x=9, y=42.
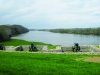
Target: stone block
x=10, y=48
x=25, y=47
x=39, y=47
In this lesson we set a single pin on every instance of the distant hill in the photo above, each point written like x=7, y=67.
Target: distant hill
x=6, y=31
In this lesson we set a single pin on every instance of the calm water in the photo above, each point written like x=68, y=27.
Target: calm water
x=59, y=39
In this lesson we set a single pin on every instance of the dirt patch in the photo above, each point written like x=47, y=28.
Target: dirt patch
x=90, y=59
x=93, y=59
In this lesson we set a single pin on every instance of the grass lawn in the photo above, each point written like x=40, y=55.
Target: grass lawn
x=16, y=42
x=51, y=47
x=15, y=63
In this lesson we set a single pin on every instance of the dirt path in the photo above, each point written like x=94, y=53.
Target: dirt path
x=90, y=59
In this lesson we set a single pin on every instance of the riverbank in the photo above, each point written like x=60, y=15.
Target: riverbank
x=18, y=42
x=13, y=44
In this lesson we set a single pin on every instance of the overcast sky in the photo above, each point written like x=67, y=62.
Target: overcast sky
x=51, y=13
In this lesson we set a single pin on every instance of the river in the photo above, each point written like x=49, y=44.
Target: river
x=58, y=38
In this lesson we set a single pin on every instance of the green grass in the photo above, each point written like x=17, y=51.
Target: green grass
x=17, y=42
x=51, y=47
x=46, y=64
x=97, y=46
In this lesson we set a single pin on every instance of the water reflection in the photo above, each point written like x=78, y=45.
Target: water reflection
x=59, y=39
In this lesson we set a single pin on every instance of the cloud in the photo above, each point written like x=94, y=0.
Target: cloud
x=50, y=12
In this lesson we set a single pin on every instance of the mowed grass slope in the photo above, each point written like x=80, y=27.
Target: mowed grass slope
x=46, y=64
x=17, y=42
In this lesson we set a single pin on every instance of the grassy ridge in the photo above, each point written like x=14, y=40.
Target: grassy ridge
x=16, y=42
x=45, y=64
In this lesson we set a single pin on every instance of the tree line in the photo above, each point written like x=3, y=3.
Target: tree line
x=83, y=31
x=7, y=31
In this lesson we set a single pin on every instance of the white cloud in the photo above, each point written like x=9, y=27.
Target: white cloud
x=50, y=10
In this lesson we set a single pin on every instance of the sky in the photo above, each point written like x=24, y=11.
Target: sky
x=51, y=14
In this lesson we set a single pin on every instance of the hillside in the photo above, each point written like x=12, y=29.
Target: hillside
x=7, y=31
x=15, y=63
